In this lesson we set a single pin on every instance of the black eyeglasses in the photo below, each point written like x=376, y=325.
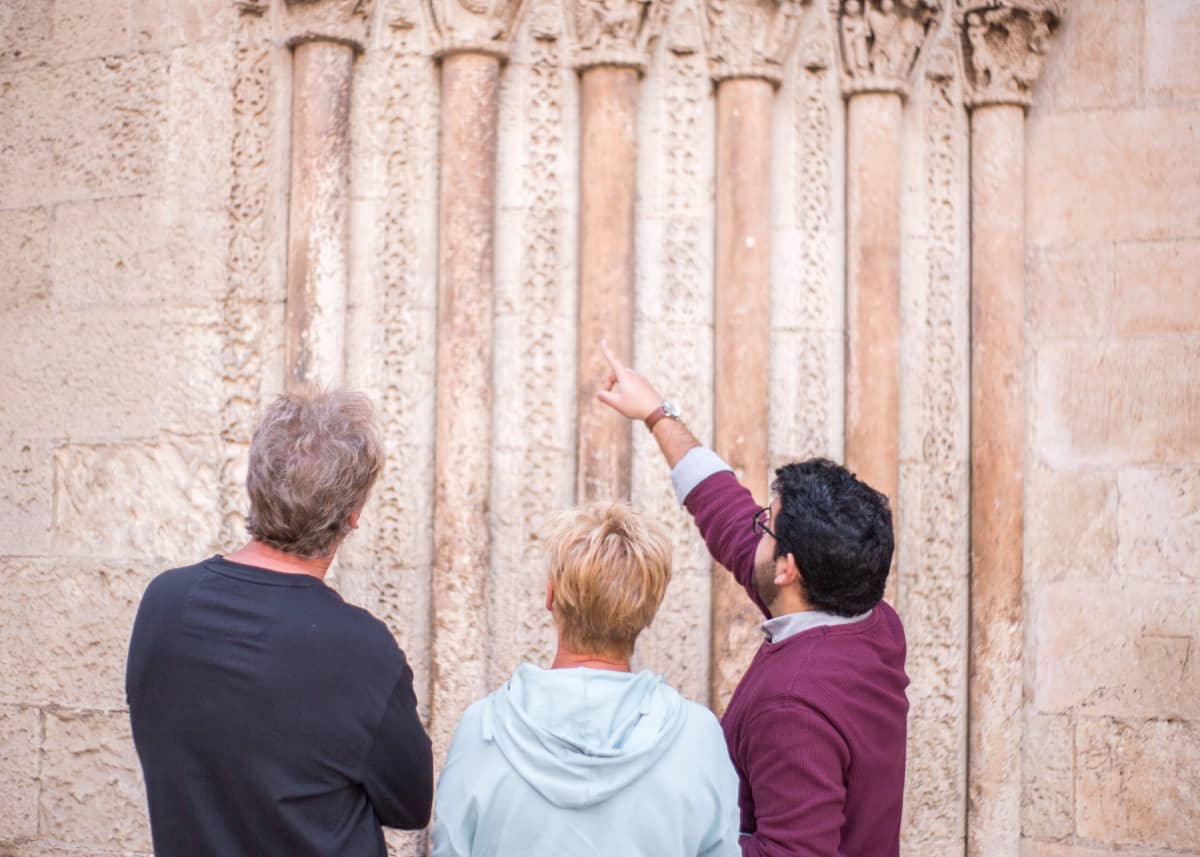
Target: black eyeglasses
x=761, y=523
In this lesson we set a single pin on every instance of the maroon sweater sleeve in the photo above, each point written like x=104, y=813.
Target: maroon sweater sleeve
x=723, y=510
x=796, y=760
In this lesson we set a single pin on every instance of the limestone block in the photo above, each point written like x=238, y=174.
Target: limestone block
x=1048, y=751
x=92, y=791
x=935, y=785
x=154, y=501
x=109, y=125
x=193, y=21
x=1120, y=649
x=1138, y=783
x=1117, y=402
x=198, y=133
x=27, y=172
x=91, y=372
x=1069, y=289
x=1070, y=525
x=20, y=736
x=1112, y=175
x=65, y=631
x=26, y=472
x=1159, y=518
x=137, y=250
x=25, y=258
x=1157, y=288
x=1095, y=59
x=93, y=28
x=1172, y=31
x=190, y=399
x=46, y=848
x=25, y=29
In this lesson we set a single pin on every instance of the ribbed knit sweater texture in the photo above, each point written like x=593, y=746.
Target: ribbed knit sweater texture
x=817, y=726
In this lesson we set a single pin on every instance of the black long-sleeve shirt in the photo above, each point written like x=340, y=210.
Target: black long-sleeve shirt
x=271, y=718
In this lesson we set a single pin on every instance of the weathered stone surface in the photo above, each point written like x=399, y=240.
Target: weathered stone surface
x=26, y=472
x=65, y=630
x=1070, y=289
x=1159, y=517
x=935, y=791
x=1096, y=58
x=1113, y=174
x=25, y=30
x=92, y=372
x=1047, y=773
x=1172, y=31
x=83, y=129
x=1120, y=649
x=1138, y=782
x=190, y=400
x=1071, y=525
x=92, y=791
x=136, y=250
x=1157, y=288
x=1117, y=402
x=25, y=249
x=94, y=28
x=20, y=739
x=157, y=502
x=1038, y=848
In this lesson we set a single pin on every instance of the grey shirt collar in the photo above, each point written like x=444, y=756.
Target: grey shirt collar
x=781, y=627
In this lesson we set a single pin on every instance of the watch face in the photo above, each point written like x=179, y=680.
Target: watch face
x=670, y=410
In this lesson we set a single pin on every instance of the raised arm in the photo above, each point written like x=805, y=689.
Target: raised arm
x=722, y=508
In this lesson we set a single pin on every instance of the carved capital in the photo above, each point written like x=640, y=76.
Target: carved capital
x=345, y=21
x=616, y=32
x=750, y=38
x=880, y=41
x=1004, y=45
x=475, y=26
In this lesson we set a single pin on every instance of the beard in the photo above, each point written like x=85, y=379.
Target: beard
x=764, y=581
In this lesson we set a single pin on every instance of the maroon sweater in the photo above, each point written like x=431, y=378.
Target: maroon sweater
x=816, y=728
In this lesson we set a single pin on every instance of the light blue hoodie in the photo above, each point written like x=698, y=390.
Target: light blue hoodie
x=586, y=763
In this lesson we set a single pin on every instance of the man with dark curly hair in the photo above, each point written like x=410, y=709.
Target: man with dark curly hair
x=817, y=726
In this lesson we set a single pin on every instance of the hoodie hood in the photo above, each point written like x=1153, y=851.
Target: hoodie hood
x=578, y=736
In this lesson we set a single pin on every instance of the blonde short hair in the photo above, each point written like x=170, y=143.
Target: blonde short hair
x=313, y=460
x=609, y=568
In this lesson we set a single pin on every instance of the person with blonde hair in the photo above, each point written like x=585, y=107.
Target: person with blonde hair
x=588, y=758
x=271, y=717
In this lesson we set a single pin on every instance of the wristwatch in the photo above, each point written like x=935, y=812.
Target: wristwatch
x=666, y=409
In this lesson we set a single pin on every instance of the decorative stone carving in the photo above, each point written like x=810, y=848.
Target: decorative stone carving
x=616, y=32
x=881, y=40
x=475, y=26
x=346, y=21
x=1004, y=46
x=750, y=38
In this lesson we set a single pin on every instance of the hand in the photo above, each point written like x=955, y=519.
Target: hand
x=626, y=391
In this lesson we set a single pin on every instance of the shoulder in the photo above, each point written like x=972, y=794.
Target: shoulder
x=172, y=583
x=358, y=634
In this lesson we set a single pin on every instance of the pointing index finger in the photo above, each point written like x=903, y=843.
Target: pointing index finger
x=612, y=359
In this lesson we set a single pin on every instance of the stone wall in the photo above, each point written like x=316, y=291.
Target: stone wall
x=1112, y=713
x=145, y=163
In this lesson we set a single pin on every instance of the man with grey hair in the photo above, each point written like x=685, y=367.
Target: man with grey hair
x=270, y=716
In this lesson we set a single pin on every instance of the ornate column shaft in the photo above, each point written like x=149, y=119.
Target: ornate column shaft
x=324, y=42
x=880, y=42
x=474, y=41
x=748, y=42
x=611, y=41
x=1003, y=46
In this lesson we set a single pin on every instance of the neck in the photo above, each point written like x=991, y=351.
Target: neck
x=788, y=601
x=264, y=556
x=566, y=658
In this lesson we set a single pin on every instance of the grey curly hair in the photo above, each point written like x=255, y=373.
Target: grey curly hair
x=313, y=460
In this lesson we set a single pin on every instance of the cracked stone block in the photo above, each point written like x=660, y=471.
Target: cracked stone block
x=20, y=738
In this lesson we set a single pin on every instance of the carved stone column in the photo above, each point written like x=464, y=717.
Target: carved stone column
x=748, y=43
x=880, y=42
x=325, y=38
x=612, y=38
x=474, y=42
x=1003, y=47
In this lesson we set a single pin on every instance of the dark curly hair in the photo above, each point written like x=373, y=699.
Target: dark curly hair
x=839, y=530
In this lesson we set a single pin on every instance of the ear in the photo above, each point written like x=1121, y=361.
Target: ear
x=354, y=520
x=786, y=570
x=550, y=595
